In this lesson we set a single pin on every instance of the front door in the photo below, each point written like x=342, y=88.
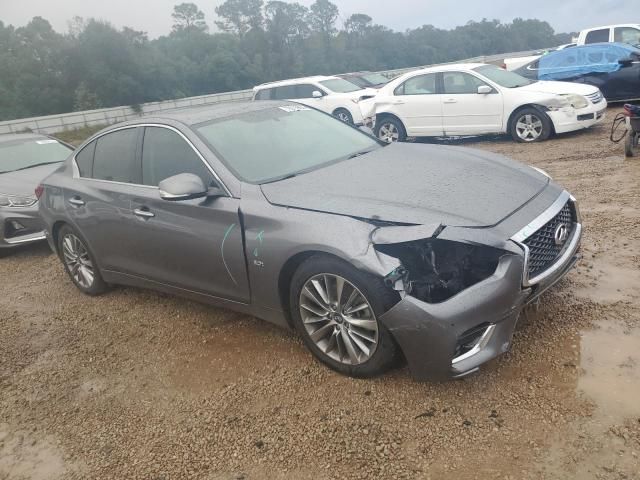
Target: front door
x=195, y=244
x=467, y=112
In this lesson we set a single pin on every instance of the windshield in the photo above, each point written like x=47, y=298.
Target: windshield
x=503, y=77
x=340, y=85
x=375, y=78
x=274, y=143
x=21, y=154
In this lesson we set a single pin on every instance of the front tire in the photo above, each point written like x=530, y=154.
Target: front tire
x=390, y=130
x=344, y=115
x=79, y=262
x=530, y=125
x=336, y=309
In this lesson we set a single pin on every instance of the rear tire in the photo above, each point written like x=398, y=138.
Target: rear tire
x=530, y=125
x=344, y=330
x=390, y=130
x=79, y=263
x=344, y=115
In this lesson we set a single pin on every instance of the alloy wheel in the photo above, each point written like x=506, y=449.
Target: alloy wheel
x=338, y=319
x=388, y=133
x=77, y=260
x=529, y=127
x=343, y=116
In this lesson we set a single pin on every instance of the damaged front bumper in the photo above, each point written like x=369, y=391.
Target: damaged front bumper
x=453, y=338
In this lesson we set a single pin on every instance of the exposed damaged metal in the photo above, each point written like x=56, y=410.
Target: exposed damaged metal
x=434, y=270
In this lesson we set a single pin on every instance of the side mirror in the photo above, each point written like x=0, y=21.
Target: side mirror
x=626, y=62
x=484, y=89
x=317, y=94
x=184, y=186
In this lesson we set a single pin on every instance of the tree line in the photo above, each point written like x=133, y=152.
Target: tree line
x=96, y=65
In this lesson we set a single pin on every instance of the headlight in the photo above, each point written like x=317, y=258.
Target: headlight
x=435, y=270
x=17, y=200
x=577, y=101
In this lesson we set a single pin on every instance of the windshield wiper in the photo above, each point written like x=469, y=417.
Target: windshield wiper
x=279, y=179
x=32, y=166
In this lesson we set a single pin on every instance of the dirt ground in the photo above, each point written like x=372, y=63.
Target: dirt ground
x=140, y=385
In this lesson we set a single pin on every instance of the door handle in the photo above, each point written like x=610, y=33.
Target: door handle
x=143, y=213
x=451, y=100
x=76, y=201
x=398, y=102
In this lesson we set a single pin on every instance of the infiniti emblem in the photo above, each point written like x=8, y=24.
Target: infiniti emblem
x=561, y=234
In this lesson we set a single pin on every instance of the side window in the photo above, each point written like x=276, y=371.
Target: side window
x=285, y=93
x=115, y=156
x=306, y=90
x=420, y=85
x=84, y=160
x=597, y=36
x=165, y=154
x=458, y=83
x=626, y=35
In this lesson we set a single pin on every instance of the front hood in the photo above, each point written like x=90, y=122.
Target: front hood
x=558, y=88
x=416, y=184
x=24, y=182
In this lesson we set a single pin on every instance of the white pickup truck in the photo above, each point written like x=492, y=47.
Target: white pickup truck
x=623, y=33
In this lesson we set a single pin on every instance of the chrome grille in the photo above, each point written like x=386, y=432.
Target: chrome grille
x=595, y=97
x=543, y=250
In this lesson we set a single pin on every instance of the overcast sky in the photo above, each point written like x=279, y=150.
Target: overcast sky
x=154, y=16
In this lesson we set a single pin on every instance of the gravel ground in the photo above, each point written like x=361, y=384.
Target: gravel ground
x=140, y=385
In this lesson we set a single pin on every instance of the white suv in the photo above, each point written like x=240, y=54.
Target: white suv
x=332, y=95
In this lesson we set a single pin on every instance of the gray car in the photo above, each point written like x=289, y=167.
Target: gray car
x=373, y=253
x=25, y=159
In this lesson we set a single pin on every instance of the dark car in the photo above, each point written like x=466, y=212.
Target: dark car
x=25, y=159
x=277, y=210
x=612, y=67
x=366, y=79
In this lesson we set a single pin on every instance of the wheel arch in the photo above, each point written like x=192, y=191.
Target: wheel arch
x=382, y=115
x=55, y=231
x=286, y=276
x=540, y=108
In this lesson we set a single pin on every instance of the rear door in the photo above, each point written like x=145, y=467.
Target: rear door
x=418, y=103
x=99, y=201
x=195, y=244
x=467, y=112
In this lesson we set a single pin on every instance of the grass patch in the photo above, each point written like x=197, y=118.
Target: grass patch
x=77, y=136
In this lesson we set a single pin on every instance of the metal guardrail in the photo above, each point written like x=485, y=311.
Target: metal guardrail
x=105, y=116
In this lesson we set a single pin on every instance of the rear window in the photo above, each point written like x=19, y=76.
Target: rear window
x=84, y=160
x=597, y=36
x=115, y=156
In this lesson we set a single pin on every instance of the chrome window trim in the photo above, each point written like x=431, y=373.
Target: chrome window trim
x=538, y=223
x=76, y=170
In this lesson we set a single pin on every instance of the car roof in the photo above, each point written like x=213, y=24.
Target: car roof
x=10, y=137
x=453, y=67
x=294, y=81
x=636, y=25
x=204, y=113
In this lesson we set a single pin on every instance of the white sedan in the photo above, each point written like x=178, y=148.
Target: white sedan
x=479, y=99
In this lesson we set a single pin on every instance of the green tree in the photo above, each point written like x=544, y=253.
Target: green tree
x=358, y=24
x=240, y=16
x=323, y=17
x=188, y=16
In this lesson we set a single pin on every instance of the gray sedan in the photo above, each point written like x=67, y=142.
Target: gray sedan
x=25, y=159
x=373, y=253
